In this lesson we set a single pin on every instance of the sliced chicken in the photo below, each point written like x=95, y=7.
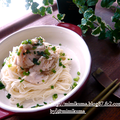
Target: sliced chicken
x=36, y=78
x=27, y=54
x=45, y=64
x=37, y=59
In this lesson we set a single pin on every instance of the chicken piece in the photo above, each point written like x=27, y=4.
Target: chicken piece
x=22, y=59
x=45, y=64
x=25, y=59
x=36, y=78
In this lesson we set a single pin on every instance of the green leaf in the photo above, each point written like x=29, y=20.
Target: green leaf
x=45, y=2
x=90, y=24
x=60, y=16
x=91, y=2
x=29, y=1
x=116, y=33
x=84, y=28
x=49, y=10
x=109, y=34
x=82, y=9
x=108, y=27
x=117, y=25
x=96, y=31
x=92, y=18
x=8, y=1
x=34, y=7
x=88, y=14
x=83, y=21
x=116, y=16
x=42, y=11
x=102, y=35
x=103, y=25
x=107, y=3
x=99, y=19
x=79, y=2
x=118, y=1
x=51, y=2
x=27, y=6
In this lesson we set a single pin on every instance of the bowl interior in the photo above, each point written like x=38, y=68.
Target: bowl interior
x=72, y=44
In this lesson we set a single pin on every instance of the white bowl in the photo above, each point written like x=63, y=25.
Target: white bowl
x=71, y=42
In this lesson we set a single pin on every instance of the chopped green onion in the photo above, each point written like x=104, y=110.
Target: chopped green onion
x=64, y=66
x=22, y=68
x=74, y=85
x=8, y=96
x=43, y=80
x=65, y=94
x=78, y=73
x=1, y=86
x=34, y=52
x=60, y=64
x=3, y=64
x=40, y=39
x=10, y=65
x=52, y=87
x=60, y=44
x=28, y=52
x=18, y=52
x=47, y=51
x=34, y=47
x=53, y=70
x=35, y=61
x=18, y=105
x=27, y=41
x=45, y=103
x=62, y=54
x=55, y=96
x=22, y=80
x=53, y=48
x=19, y=77
x=76, y=79
x=26, y=73
x=37, y=106
x=69, y=58
x=60, y=59
x=41, y=70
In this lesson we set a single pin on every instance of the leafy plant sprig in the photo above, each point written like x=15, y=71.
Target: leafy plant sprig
x=43, y=10
x=89, y=20
x=6, y=2
x=99, y=26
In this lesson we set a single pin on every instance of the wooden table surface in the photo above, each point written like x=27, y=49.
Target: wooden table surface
x=105, y=55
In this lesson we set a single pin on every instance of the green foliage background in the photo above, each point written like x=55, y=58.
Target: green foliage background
x=89, y=20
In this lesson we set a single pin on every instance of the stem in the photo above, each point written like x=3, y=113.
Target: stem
x=56, y=18
x=108, y=28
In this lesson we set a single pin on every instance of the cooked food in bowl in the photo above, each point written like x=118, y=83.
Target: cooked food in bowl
x=51, y=63
x=36, y=70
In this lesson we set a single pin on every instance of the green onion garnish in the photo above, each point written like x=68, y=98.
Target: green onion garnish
x=76, y=79
x=1, y=86
x=52, y=87
x=53, y=70
x=74, y=85
x=10, y=65
x=8, y=96
x=55, y=96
